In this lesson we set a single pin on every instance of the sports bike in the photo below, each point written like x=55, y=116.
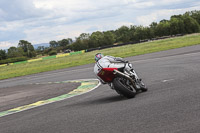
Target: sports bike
x=122, y=82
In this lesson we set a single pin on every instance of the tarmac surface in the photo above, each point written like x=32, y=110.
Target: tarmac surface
x=12, y=97
x=172, y=104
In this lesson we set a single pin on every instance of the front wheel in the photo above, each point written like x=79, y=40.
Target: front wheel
x=123, y=89
x=143, y=87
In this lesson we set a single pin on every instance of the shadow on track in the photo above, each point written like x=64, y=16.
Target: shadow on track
x=98, y=101
x=104, y=100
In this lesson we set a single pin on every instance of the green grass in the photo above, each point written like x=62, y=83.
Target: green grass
x=86, y=58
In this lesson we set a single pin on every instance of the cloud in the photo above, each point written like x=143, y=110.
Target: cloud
x=157, y=15
x=11, y=31
x=6, y=45
x=40, y=21
x=18, y=10
x=140, y=5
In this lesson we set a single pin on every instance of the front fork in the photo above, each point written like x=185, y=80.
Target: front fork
x=130, y=71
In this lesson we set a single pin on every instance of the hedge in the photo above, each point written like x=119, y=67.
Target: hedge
x=12, y=60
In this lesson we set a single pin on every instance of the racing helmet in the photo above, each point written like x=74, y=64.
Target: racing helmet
x=98, y=56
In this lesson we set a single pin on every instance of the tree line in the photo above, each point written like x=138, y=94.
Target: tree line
x=24, y=51
x=186, y=23
x=178, y=24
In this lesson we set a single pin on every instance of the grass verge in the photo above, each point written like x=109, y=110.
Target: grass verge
x=86, y=58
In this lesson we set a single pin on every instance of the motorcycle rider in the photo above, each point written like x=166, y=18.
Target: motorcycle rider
x=116, y=62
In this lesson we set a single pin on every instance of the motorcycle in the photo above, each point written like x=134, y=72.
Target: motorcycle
x=122, y=82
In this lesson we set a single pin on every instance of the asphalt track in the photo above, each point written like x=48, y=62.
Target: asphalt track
x=172, y=104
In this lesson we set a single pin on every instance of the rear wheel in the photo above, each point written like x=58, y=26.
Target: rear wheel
x=122, y=88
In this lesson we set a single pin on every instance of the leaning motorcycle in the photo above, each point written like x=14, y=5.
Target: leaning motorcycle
x=123, y=83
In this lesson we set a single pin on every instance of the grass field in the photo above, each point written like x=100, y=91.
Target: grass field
x=86, y=58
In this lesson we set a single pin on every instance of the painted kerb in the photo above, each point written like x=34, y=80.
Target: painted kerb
x=86, y=86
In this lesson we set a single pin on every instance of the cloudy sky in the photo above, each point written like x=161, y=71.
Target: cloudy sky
x=40, y=21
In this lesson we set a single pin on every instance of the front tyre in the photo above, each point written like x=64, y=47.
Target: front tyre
x=143, y=86
x=123, y=89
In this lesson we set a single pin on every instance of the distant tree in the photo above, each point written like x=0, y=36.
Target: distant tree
x=53, y=44
x=195, y=15
x=176, y=16
x=3, y=54
x=191, y=25
x=47, y=51
x=148, y=33
x=70, y=40
x=141, y=33
x=53, y=52
x=122, y=34
x=153, y=26
x=81, y=43
x=27, y=48
x=68, y=46
x=96, y=39
x=15, y=52
x=163, y=21
x=132, y=32
x=40, y=48
x=163, y=29
x=108, y=38
x=177, y=26
x=84, y=36
x=63, y=42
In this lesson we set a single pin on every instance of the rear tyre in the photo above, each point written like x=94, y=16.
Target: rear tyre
x=122, y=89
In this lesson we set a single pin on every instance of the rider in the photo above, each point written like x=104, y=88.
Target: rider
x=114, y=62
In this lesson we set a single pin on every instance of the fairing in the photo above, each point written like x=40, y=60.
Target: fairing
x=106, y=74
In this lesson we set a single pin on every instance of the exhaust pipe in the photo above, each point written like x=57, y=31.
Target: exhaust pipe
x=118, y=73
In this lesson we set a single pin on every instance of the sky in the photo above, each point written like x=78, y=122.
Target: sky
x=41, y=21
